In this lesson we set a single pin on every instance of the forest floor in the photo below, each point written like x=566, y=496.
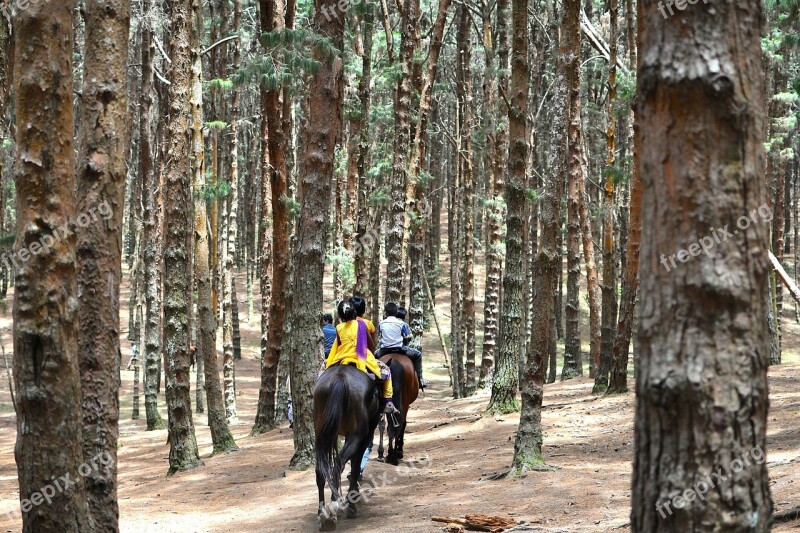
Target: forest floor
x=451, y=452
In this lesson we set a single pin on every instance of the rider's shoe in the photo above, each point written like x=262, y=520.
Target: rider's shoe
x=390, y=409
x=423, y=384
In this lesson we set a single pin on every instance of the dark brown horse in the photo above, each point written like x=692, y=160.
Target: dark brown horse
x=405, y=391
x=346, y=403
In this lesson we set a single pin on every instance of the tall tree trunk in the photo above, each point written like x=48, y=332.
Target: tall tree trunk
x=497, y=168
x=228, y=365
x=46, y=362
x=151, y=236
x=609, y=287
x=466, y=194
x=512, y=326
x=101, y=187
x=528, y=443
x=395, y=247
x=277, y=109
x=321, y=133
x=364, y=254
x=701, y=383
x=592, y=285
x=572, y=33
x=183, y=453
x=221, y=437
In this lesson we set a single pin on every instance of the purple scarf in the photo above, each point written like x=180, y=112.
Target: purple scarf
x=361, y=340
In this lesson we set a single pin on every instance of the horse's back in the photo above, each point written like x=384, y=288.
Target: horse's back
x=410, y=384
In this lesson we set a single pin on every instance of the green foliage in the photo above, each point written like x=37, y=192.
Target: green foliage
x=218, y=84
x=216, y=125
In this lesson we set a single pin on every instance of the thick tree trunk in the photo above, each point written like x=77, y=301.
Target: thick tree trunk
x=363, y=254
x=321, y=133
x=183, y=453
x=46, y=362
x=101, y=187
x=592, y=285
x=701, y=384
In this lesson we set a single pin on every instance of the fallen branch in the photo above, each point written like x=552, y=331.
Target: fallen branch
x=479, y=522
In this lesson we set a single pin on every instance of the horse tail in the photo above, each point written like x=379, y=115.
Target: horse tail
x=326, y=444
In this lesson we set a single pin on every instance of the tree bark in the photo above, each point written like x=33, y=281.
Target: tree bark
x=572, y=33
x=151, y=237
x=46, y=362
x=101, y=187
x=321, y=133
x=701, y=383
x=395, y=247
x=183, y=454
x=221, y=437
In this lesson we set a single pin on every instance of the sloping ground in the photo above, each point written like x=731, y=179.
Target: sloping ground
x=450, y=452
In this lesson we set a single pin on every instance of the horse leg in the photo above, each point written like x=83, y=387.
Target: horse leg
x=327, y=517
x=400, y=438
x=381, y=426
x=353, y=451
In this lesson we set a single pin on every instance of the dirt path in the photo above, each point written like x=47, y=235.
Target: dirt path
x=453, y=449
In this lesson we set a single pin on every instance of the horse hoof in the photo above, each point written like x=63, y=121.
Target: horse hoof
x=351, y=512
x=327, y=524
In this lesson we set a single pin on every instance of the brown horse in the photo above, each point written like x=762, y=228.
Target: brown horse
x=406, y=390
x=347, y=403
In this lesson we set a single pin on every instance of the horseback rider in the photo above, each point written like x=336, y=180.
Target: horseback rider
x=351, y=347
x=395, y=335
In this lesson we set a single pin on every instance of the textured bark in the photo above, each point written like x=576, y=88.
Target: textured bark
x=512, y=328
x=395, y=247
x=592, y=285
x=277, y=109
x=609, y=287
x=467, y=198
x=183, y=453
x=101, y=185
x=572, y=59
x=320, y=135
x=496, y=166
x=206, y=354
x=46, y=368
x=618, y=376
x=364, y=254
x=528, y=442
x=701, y=383
x=151, y=236
x=228, y=364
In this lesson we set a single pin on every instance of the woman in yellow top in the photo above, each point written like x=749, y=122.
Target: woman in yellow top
x=351, y=347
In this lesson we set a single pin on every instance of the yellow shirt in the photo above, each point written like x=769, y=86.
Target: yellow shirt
x=344, y=348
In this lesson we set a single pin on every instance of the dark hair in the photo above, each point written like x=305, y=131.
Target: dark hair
x=327, y=318
x=390, y=309
x=401, y=313
x=360, y=305
x=346, y=311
